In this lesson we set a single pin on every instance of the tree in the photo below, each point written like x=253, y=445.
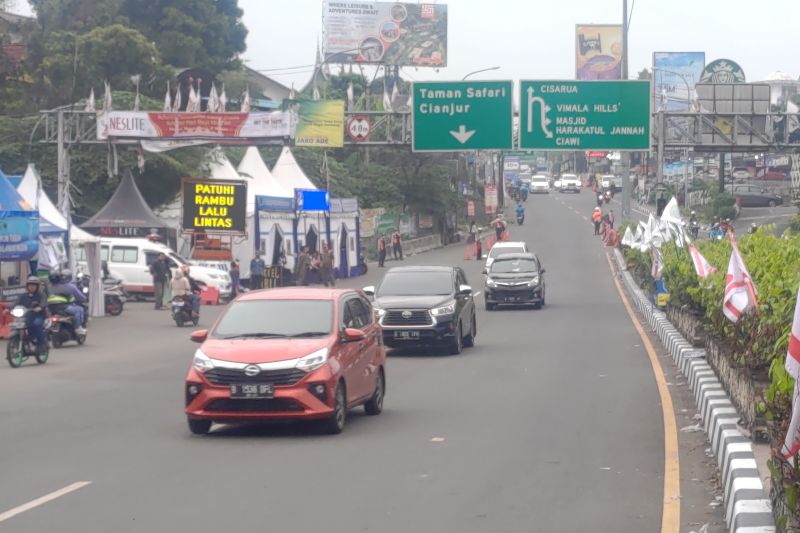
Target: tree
x=645, y=74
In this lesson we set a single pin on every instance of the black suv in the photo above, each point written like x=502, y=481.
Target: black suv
x=425, y=305
x=515, y=279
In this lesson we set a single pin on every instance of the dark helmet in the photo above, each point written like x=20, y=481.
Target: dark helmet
x=54, y=278
x=66, y=275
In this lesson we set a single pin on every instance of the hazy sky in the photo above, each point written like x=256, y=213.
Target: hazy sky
x=535, y=38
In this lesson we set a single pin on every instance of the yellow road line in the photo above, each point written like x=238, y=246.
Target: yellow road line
x=671, y=513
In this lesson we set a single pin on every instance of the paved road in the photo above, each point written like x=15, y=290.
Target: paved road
x=551, y=423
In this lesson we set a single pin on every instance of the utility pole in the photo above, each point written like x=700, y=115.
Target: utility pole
x=626, y=156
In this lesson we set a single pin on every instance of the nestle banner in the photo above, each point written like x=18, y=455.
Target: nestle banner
x=214, y=206
x=155, y=125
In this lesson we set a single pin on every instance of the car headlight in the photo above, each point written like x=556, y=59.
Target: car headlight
x=313, y=361
x=448, y=309
x=201, y=362
x=534, y=281
x=491, y=283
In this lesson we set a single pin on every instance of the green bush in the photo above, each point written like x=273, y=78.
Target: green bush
x=794, y=224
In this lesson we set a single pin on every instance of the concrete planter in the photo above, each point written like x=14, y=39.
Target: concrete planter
x=690, y=323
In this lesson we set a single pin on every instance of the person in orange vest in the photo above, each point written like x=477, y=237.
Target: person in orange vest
x=397, y=248
x=597, y=217
x=381, y=251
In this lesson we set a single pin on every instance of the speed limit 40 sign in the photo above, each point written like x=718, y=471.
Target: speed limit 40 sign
x=358, y=128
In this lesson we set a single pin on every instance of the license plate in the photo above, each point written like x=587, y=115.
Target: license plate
x=19, y=323
x=406, y=335
x=177, y=304
x=512, y=299
x=252, y=390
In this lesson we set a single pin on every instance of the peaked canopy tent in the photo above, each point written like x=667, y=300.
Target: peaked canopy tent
x=272, y=231
x=52, y=224
x=20, y=243
x=289, y=174
x=90, y=248
x=126, y=214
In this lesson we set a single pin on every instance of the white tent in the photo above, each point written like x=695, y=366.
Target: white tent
x=289, y=174
x=260, y=181
x=79, y=238
x=30, y=188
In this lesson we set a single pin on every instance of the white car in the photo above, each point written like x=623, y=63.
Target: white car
x=569, y=182
x=540, y=184
x=504, y=247
x=610, y=181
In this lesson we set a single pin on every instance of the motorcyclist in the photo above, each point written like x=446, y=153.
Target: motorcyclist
x=524, y=190
x=62, y=286
x=693, y=218
x=35, y=300
x=196, y=290
x=520, y=213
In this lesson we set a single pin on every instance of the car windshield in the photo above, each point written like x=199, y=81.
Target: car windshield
x=275, y=318
x=500, y=250
x=569, y=177
x=514, y=266
x=418, y=283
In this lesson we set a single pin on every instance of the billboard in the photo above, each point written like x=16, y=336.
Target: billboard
x=672, y=72
x=722, y=71
x=386, y=33
x=321, y=124
x=159, y=125
x=598, y=52
x=214, y=206
x=19, y=235
x=311, y=200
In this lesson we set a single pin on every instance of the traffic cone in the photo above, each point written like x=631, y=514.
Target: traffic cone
x=467, y=253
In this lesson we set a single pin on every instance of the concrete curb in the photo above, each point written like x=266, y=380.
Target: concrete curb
x=747, y=507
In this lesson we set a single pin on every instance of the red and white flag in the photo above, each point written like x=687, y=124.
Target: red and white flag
x=740, y=293
x=701, y=266
x=792, y=443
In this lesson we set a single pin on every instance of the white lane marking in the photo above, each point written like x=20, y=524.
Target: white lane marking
x=477, y=294
x=44, y=499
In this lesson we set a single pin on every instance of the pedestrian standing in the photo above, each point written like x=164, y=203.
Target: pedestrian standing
x=478, y=249
x=397, y=247
x=234, y=279
x=381, y=251
x=257, y=270
x=302, y=266
x=473, y=231
x=161, y=273
x=326, y=266
x=611, y=219
x=597, y=218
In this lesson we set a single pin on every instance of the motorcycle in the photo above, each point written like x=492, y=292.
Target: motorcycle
x=182, y=311
x=607, y=197
x=716, y=233
x=599, y=200
x=62, y=324
x=114, y=293
x=21, y=344
x=694, y=229
x=524, y=195
x=520, y=218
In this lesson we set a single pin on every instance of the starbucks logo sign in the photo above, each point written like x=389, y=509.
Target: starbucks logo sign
x=722, y=71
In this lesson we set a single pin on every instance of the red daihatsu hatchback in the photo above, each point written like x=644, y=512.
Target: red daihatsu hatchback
x=292, y=353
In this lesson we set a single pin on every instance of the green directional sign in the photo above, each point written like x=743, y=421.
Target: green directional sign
x=584, y=115
x=458, y=116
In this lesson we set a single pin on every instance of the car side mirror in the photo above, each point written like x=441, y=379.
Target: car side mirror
x=464, y=290
x=485, y=272
x=353, y=335
x=199, y=336
x=369, y=290
x=542, y=271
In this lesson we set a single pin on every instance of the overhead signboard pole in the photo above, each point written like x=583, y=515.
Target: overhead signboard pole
x=626, y=156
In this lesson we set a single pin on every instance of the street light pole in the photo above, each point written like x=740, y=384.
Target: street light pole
x=479, y=71
x=626, y=156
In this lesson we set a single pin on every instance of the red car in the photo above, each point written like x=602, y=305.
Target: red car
x=291, y=353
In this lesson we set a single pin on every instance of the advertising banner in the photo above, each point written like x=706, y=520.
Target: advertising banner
x=19, y=235
x=214, y=206
x=490, y=198
x=470, y=208
x=157, y=125
x=598, y=52
x=311, y=200
x=321, y=124
x=344, y=205
x=388, y=33
x=369, y=220
x=426, y=221
x=275, y=204
x=672, y=72
x=722, y=71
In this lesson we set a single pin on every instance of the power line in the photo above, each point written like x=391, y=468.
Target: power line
x=284, y=68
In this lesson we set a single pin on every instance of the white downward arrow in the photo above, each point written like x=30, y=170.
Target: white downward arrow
x=462, y=135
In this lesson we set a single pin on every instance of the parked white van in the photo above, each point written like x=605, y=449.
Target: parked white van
x=129, y=260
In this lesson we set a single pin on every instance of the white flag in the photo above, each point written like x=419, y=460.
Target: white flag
x=387, y=102
x=90, y=103
x=740, y=293
x=395, y=94
x=178, y=102
x=212, y=106
x=657, y=269
x=701, y=266
x=223, y=100
x=350, y=96
x=107, y=103
x=656, y=238
x=672, y=212
x=627, y=238
x=791, y=444
x=794, y=122
x=136, y=79
x=191, y=103
x=410, y=101
x=167, y=101
x=246, y=101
